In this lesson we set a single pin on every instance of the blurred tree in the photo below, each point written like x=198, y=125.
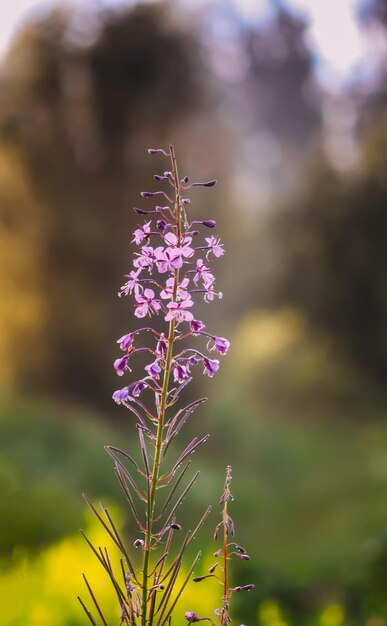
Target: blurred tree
x=80, y=99
x=280, y=81
x=333, y=257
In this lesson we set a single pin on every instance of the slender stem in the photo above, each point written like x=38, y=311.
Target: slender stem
x=225, y=592
x=225, y=553
x=161, y=415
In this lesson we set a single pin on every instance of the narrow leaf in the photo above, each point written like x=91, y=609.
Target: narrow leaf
x=178, y=480
x=89, y=615
x=94, y=600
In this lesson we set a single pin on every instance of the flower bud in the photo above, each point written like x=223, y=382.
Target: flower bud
x=120, y=365
x=175, y=526
x=191, y=617
x=126, y=341
x=209, y=223
x=221, y=345
x=186, y=201
x=142, y=211
x=247, y=587
x=185, y=179
x=239, y=548
x=139, y=543
x=162, y=346
x=153, y=370
x=162, y=225
x=158, y=151
x=210, y=366
x=198, y=579
x=196, y=326
x=208, y=183
x=138, y=388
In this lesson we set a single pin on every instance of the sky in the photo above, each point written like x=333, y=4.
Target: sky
x=342, y=50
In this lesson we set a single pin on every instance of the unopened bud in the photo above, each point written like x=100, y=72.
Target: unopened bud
x=161, y=225
x=239, y=548
x=208, y=183
x=247, y=587
x=209, y=223
x=138, y=543
x=186, y=201
x=175, y=526
x=157, y=151
x=199, y=579
x=142, y=211
x=185, y=179
x=191, y=617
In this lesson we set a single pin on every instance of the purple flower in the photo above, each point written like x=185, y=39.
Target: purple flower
x=180, y=373
x=121, y=364
x=131, y=284
x=177, y=253
x=210, y=294
x=162, y=261
x=196, y=326
x=161, y=347
x=142, y=233
x=145, y=258
x=138, y=388
x=214, y=246
x=204, y=273
x=191, y=617
x=181, y=294
x=126, y=341
x=178, y=311
x=220, y=344
x=162, y=225
x=153, y=370
x=210, y=366
x=146, y=303
x=120, y=395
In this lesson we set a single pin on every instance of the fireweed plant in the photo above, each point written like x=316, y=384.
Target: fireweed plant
x=169, y=271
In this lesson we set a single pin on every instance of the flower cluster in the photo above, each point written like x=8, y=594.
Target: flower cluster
x=169, y=271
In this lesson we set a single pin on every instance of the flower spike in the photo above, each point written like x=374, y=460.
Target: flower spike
x=171, y=271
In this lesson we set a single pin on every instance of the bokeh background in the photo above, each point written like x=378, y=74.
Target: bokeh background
x=285, y=102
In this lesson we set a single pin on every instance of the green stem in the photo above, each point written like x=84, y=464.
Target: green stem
x=161, y=415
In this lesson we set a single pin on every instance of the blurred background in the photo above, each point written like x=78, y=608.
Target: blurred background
x=285, y=102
